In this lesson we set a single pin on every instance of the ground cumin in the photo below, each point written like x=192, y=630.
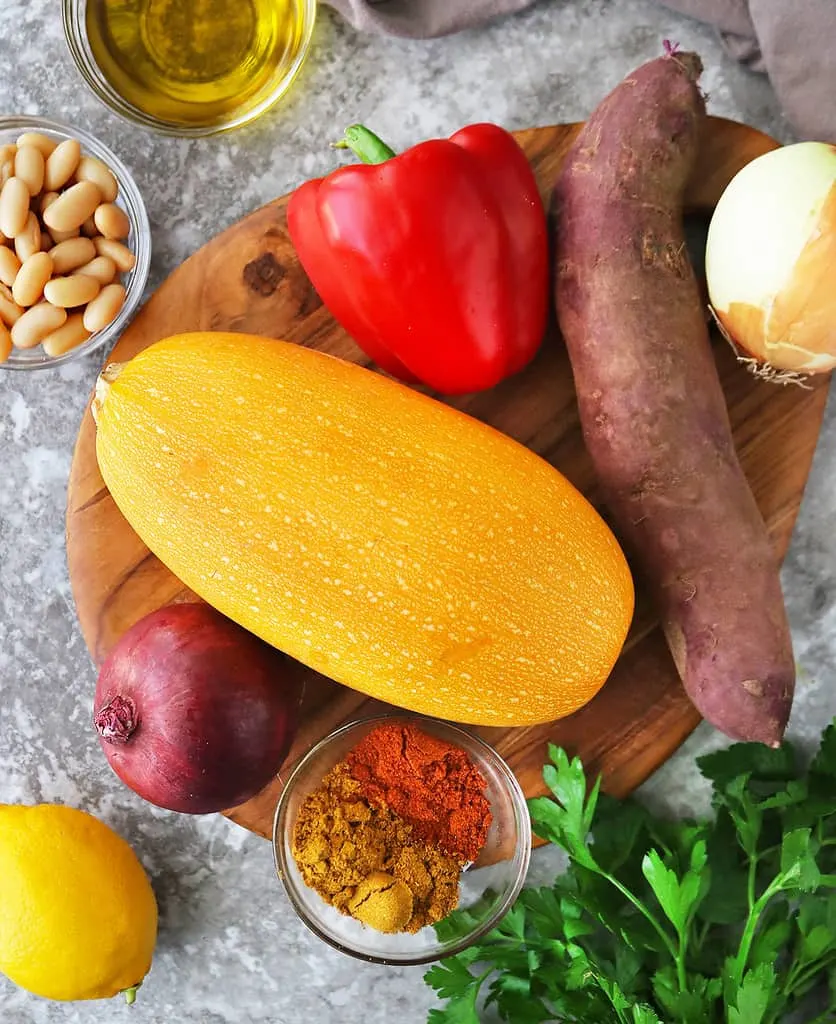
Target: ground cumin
x=367, y=861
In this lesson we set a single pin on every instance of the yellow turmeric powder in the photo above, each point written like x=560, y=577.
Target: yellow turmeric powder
x=364, y=860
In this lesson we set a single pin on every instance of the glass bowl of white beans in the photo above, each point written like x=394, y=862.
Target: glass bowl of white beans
x=66, y=289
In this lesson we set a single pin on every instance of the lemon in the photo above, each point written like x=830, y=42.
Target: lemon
x=78, y=918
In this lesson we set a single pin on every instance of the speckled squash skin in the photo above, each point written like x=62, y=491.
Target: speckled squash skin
x=382, y=538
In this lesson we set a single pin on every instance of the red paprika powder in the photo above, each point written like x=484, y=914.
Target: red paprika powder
x=431, y=784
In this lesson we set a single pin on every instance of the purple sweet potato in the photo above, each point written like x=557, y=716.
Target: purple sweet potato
x=651, y=406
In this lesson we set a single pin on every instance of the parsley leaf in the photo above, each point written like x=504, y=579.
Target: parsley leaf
x=678, y=899
x=516, y=1001
x=460, y=1009
x=619, y=825
x=745, y=813
x=450, y=978
x=725, y=901
x=824, y=763
x=752, y=998
x=798, y=860
x=690, y=1007
x=751, y=759
x=567, y=819
x=643, y=1014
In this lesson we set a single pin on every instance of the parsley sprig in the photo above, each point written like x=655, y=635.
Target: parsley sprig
x=728, y=921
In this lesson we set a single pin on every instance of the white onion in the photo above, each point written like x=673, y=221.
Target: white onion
x=771, y=259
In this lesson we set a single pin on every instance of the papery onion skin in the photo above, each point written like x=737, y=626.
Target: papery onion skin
x=194, y=713
x=771, y=259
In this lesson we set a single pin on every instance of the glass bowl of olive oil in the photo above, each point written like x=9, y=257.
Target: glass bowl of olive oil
x=189, y=67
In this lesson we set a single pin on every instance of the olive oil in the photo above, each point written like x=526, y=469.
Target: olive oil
x=195, y=62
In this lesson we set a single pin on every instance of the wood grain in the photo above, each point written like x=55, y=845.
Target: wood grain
x=248, y=279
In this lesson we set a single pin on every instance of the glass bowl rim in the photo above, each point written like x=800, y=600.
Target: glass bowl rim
x=140, y=225
x=522, y=847
x=75, y=36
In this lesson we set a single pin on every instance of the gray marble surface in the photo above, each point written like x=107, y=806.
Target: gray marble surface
x=230, y=948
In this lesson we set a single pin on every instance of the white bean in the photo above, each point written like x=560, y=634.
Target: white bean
x=10, y=312
x=72, y=254
x=61, y=164
x=9, y=265
x=62, y=236
x=71, y=334
x=28, y=241
x=46, y=200
x=40, y=141
x=102, y=268
x=112, y=221
x=5, y=342
x=31, y=278
x=14, y=207
x=30, y=167
x=90, y=168
x=72, y=208
x=36, y=323
x=120, y=254
x=102, y=310
x=75, y=290
x=7, y=163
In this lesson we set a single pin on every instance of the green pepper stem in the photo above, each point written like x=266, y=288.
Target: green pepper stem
x=365, y=144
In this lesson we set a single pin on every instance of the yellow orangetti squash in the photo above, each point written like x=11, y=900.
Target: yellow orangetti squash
x=382, y=538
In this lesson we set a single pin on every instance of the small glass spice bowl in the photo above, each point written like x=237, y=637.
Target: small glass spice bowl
x=138, y=241
x=488, y=887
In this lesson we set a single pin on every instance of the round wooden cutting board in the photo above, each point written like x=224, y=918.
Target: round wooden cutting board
x=248, y=279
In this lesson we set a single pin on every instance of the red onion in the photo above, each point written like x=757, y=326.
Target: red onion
x=194, y=713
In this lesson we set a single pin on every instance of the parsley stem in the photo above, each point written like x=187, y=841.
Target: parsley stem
x=681, y=977
x=802, y=973
x=637, y=903
x=750, y=928
x=753, y=875
x=702, y=934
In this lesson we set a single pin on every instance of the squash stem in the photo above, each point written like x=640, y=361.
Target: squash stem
x=103, y=382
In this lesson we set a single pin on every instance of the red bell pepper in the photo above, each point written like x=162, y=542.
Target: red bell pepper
x=435, y=260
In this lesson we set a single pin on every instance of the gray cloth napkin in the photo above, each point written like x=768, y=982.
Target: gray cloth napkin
x=423, y=19
x=793, y=41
